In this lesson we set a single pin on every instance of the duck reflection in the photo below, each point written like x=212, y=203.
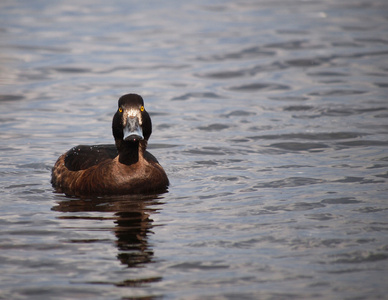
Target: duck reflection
x=133, y=224
x=131, y=231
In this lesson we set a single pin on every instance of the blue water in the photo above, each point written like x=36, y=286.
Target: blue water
x=269, y=117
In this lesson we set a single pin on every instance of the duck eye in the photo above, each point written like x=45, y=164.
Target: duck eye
x=142, y=108
x=120, y=109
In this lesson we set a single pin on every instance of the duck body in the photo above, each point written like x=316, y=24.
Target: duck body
x=123, y=168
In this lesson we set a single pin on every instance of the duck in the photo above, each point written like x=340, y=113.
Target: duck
x=123, y=168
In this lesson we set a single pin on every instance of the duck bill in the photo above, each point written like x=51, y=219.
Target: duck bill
x=132, y=130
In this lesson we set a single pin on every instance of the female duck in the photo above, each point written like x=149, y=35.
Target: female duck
x=124, y=168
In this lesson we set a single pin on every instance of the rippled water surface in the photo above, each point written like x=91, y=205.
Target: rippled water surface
x=270, y=118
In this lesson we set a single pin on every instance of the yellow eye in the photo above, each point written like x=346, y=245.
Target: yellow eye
x=120, y=109
x=142, y=108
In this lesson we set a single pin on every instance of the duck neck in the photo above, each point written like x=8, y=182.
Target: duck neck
x=130, y=152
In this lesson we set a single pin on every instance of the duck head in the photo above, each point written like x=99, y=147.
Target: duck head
x=131, y=122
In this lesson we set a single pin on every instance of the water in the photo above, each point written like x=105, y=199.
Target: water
x=270, y=118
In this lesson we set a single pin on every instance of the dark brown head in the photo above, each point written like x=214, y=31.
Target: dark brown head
x=131, y=122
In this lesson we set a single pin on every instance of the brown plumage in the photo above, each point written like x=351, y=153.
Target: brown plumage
x=123, y=168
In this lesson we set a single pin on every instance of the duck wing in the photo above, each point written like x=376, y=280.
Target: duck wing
x=150, y=158
x=83, y=157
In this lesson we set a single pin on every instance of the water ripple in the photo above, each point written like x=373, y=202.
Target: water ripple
x=247, y=53
x=252, y=87
x=196, y=95
x=289, y=182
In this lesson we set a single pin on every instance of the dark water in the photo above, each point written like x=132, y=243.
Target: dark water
x=270, y=118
